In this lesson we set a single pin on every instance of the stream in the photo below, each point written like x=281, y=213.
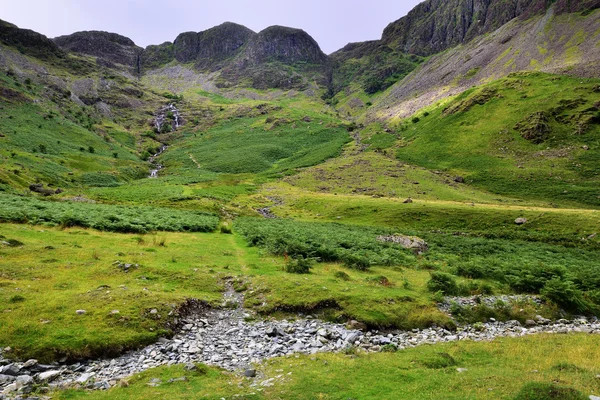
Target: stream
x=167, y=120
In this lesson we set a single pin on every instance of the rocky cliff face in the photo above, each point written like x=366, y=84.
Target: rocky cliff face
x=109, y=47
x=28, y=42
x=436, y=25
x=157, y=56
x=209, y=47
x=286, y=45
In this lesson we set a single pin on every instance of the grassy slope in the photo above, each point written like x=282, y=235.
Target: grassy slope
x=481, y=143
x=496, y=370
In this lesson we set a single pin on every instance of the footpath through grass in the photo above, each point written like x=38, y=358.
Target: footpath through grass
x=539, y=367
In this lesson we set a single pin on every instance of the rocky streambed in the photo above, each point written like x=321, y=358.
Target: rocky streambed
x=225, y=338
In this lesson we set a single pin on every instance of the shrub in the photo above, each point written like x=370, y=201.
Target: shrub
x=442, y=282
x=16, y=299
x=567, y=295
x=357, y=261
x=342, y=275
x=225, y=228
x=299, y=265
x=548, y=391
x=415, y=120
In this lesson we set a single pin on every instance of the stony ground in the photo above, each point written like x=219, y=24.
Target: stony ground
x=228, y=339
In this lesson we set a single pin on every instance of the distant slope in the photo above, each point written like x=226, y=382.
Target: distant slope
x=565, y=43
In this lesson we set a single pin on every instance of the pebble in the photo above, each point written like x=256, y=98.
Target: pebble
x=224, y=338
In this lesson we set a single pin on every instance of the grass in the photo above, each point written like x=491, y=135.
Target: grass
x=57, y=272
x=481, y=143
x=492, y=370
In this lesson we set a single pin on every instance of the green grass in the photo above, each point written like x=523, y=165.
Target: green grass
x=57, y=272
x=249, y=145
x=480, y=142
x=496, y=370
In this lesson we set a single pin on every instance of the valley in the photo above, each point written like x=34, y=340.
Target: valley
x=239, y=215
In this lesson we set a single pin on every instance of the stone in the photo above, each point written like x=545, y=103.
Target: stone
x=30, y=363
x=530, y=322
x=355, y=325
x=11, y=370
x=189, y=366
x=250, y=373
x=83, y=378
x=23, y=380
x=6, y=379
x=521, y=221
x=48, y=376
x=408, y=201
x=459, y=179
x=80, y=312
x=461, y=370
x=414, y=243
x=592, y=397
x=274, y=331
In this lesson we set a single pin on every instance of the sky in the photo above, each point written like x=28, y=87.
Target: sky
x=333, y=23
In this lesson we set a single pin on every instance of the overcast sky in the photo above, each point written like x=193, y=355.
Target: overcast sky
x=333, y=23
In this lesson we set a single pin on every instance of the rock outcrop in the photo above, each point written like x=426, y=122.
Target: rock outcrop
x=286, y=45
x=436, y=25
x=29, y=42
x=208, y=48
x=108, y=47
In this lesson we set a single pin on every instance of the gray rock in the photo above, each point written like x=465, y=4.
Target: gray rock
x=80, y=312
x=250, y=373
x=11, y=370
x=48, y=376
x=521, y=221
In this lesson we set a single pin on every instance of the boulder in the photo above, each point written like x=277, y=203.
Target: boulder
x=521, y=221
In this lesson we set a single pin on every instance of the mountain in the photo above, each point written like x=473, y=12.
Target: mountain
x=29, y=42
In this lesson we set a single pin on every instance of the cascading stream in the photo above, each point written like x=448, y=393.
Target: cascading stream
x=168, y=120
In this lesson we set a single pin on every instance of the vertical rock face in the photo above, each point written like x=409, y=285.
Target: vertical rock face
x=156, y=56
x=28, y=42
x=211, y=46
x=286, y=45
x=104, y=45
x=436, y=25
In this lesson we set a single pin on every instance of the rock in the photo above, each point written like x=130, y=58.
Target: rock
x=586, y=148
x=190, y=366
x=274, y=331
x=10, y=388
x=83, y=378
x=11, y=370
x=80, y=312
x=352, y=337
x=461, y=370
x=48, y=376
x=23, y=380
x=30, y=363
x=250, y=373
x=592, y=397
x=521, y=221
x=408, y=201
x=414, y=243
x=355, y=325
x=459, y=179
x=530, y=322
x=6, y=379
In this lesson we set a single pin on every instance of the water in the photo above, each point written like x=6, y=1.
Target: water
x=159, y=122
x=156, y=166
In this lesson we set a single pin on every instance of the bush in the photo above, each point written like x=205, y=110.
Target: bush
x=356, y=261
x=443, y=282
x=548, y=391
x=567, y=295
x=342, y=275
x=299, y=265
